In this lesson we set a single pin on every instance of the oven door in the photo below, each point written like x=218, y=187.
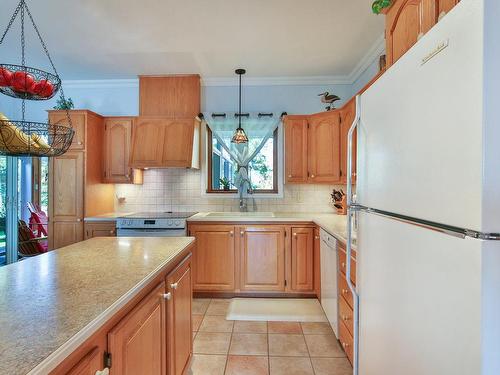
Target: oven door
x=129, y=232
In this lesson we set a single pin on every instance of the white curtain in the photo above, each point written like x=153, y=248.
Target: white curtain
x=258, y=129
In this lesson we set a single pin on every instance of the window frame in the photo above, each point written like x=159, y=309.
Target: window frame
x=209, y=188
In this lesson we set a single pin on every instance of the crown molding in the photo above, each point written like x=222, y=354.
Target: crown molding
x=373, y=53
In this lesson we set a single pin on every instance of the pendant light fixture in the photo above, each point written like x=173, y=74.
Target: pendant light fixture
x=239, y=136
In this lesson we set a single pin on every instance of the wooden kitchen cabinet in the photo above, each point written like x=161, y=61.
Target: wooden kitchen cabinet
x=100, y=229
x=78, y=122
x=347, y=116
x=138, y=342
x=170, y=95
x=296, y=149
x=76, y=188
x=117, y=142
x=89, y=364
x=179, y=323
x=445, y=6
x=406, y=22
x=262, y=257
x=324, y=147
x=214, y=257
x=159, y=142
x=302, y=259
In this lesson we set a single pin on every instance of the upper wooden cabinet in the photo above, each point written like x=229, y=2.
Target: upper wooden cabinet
x=117, y=142
x=159, y=142
x=296, y=148
x=445, y=6
x=406, y=22
x=347, y=115
x=262, y=258
x=312, y=148
x=169, y=96
x=78, y=122
x=214, y=257
x=138, y=342
x=324, y=147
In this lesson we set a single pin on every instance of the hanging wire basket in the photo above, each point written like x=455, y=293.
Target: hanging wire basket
x=24, y=82
x=29, y=138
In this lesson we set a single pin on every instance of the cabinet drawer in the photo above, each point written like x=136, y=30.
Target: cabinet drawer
x=343, y=263
x=346, y=341
x=344, y=290
x=346, y=315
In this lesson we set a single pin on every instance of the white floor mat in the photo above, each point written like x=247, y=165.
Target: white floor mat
x=276, y=309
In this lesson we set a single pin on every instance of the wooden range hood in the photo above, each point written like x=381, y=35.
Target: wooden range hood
x=167, y=132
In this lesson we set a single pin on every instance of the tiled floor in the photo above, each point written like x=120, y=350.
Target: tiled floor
x=223, y=347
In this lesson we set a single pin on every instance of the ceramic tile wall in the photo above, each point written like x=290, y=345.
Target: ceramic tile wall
x=180, y=190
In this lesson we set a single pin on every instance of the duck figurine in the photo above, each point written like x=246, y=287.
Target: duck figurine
x=328, y=98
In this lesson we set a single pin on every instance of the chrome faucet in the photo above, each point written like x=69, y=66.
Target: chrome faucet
x=243, y=201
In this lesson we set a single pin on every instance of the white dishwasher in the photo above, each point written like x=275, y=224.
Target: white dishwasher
x=329, y=269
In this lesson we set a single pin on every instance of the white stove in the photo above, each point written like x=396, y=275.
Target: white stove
x=153, y=224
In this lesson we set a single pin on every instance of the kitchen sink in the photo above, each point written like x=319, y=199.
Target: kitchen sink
x=240, y=214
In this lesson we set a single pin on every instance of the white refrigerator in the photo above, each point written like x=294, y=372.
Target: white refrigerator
x=428, y=204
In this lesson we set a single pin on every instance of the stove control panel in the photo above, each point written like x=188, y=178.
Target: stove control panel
x=124, y=223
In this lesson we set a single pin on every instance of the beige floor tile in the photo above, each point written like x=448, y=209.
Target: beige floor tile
x=216, y=323
x=247, y=365
x=218, y=307
x=331, y=366
x=208, y=364
x=200, y=305
x=197, y=321
x=290, y=366
x=324, y=346
x=316, y=328
x=211, y=343
x=242, y=326
x=287, y=345
x=284, y=327
x=248, y=344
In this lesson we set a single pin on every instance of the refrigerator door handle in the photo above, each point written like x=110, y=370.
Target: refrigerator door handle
x=350, y=213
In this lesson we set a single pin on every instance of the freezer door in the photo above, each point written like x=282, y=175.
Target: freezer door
x=420, y=136
x=420, y=300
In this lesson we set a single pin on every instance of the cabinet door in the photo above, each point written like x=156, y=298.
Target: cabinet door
x=302, y=259
x=89, y=364
x=324, y=147
x=179, y=326
x=296, y=149
x=213, y=259
x=64, y=233
x=445, y=6
x=347, y=116
x=178, y=148
x=406, y=22
x=118, y=136
x=137, y=343
x=262, y=257
x=100, y=229
x=147, y=142
x=78, y=122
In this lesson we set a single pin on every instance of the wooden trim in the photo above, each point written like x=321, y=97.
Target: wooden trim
x=210, y=190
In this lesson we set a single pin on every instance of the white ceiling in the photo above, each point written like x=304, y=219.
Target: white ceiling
x=105, y=39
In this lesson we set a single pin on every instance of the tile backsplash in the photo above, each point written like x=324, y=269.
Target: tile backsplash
x=180, y=190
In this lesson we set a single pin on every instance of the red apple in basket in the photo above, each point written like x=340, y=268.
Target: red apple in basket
x=5, y=77
x=22, y=82
x=43, y=88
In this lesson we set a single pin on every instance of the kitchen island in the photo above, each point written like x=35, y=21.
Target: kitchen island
x=64, y=311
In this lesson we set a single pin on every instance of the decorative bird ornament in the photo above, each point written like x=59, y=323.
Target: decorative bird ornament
x=328, y=98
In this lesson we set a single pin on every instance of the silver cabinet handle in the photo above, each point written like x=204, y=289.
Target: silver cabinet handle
x=79, y=143
x=78, y=219
x=167, y=296
x=312, y=176
x=242, y=233
x=316, y=237
x=104, y=371
x=295, y=234
x=174, y=285
x=289, y=176
x=231, y=233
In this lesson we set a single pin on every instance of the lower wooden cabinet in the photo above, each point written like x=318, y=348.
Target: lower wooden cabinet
x=302, y=259
x=262, y=258
x=64, y=233
x=214, y=257
x=179, y=329
x=138, y=342
x=100, y=229
x=252, y=259
x=89, y=364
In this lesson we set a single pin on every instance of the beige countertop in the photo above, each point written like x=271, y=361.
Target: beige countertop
x=50, y=304
x=334, y=224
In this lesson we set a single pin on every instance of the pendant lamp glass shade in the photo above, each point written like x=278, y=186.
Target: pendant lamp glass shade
x=239, y=136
